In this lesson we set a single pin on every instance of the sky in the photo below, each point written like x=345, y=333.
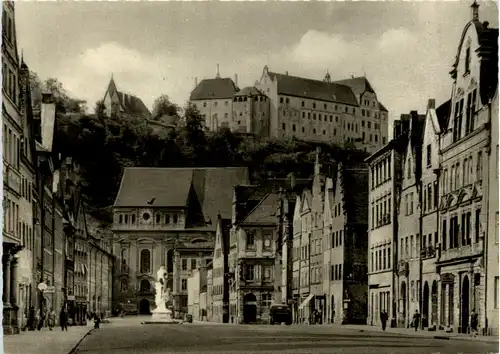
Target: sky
x=405, y=49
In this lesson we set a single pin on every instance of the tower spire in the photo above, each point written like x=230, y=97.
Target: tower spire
x=475, y=11
x=218, y=75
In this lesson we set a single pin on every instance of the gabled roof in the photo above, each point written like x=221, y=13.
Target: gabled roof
x=443, y=113
x=382, y=107
x=211, y=187
x=210, y=89
x=314, y=89
x=264, y=212
x=359, y=85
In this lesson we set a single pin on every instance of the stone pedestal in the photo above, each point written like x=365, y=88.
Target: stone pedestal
x=161, y=316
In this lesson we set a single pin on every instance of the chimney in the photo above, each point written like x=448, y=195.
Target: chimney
x=236, y=79
x=217, y=76
x=48, y=115
x=431, y=104
x=286, y=72
x=475, y=11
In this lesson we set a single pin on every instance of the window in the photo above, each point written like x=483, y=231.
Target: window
x=167, y=219
x=267, y=273
x=303, y=104
x=283, y=126
x=145, y=286
x=429, y=162
x=250, y=239
x=124, y=285
x=193, y=263
x=175, y=219
x=184, y=264
x=496, y=292
x=184, y=284
x=496, y=227
x=158, y=216
x=479, y=166
x=478, y=225
x=467, y=61
x=293, y=127
x=250, y=272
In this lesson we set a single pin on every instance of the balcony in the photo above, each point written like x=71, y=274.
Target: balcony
x=472, y=250
x=428, y=252
x=403, y=268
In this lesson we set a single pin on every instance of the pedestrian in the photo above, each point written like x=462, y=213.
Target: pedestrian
x=97, y=321
x=31, y=318
x=51, y=319
x=383, y=319
x=63, y=320
x=474, y=322
x=416, y=320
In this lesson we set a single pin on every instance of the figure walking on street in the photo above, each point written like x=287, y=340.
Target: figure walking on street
x=383, y=319
x=416, y=320
x=63, y=319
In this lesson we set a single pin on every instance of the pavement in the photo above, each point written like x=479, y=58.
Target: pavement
x=127, y=335
x=45, y=341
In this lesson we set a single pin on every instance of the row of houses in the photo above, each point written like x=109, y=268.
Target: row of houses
x=414, y=227
x=433, y=220
x=49, y=258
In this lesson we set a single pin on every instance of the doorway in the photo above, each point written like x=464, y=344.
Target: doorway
x=434, y=303
x=425, y=306
x=402, y=309
x=465, y=305
x=144, y=307
x=249, y=308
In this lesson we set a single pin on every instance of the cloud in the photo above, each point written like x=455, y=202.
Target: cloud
x=145, y=76
x=405, y=68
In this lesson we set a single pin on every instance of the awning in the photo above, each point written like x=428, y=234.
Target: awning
x=306, y=301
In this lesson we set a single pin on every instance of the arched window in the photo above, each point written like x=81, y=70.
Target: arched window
x=145, y=285
x=145, y=261
x=124, y=256
x=170, y=261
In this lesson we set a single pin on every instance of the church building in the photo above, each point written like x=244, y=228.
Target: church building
x=167, y=216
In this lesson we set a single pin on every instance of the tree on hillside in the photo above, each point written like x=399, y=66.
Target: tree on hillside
x=191, y=138
x=64, y=103
x=162, y=107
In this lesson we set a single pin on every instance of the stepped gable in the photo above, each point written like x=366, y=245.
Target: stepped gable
x=212, y=89
x=314, y=89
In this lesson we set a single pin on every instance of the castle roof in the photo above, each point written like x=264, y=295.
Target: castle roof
x=211, y=89
x=314, y=89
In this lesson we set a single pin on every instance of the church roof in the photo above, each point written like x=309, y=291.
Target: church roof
x=211, y=89
x=130, y=104
x=314, y=89
x=171, y=187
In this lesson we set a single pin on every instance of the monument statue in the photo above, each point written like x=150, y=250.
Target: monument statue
x=161, y=313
